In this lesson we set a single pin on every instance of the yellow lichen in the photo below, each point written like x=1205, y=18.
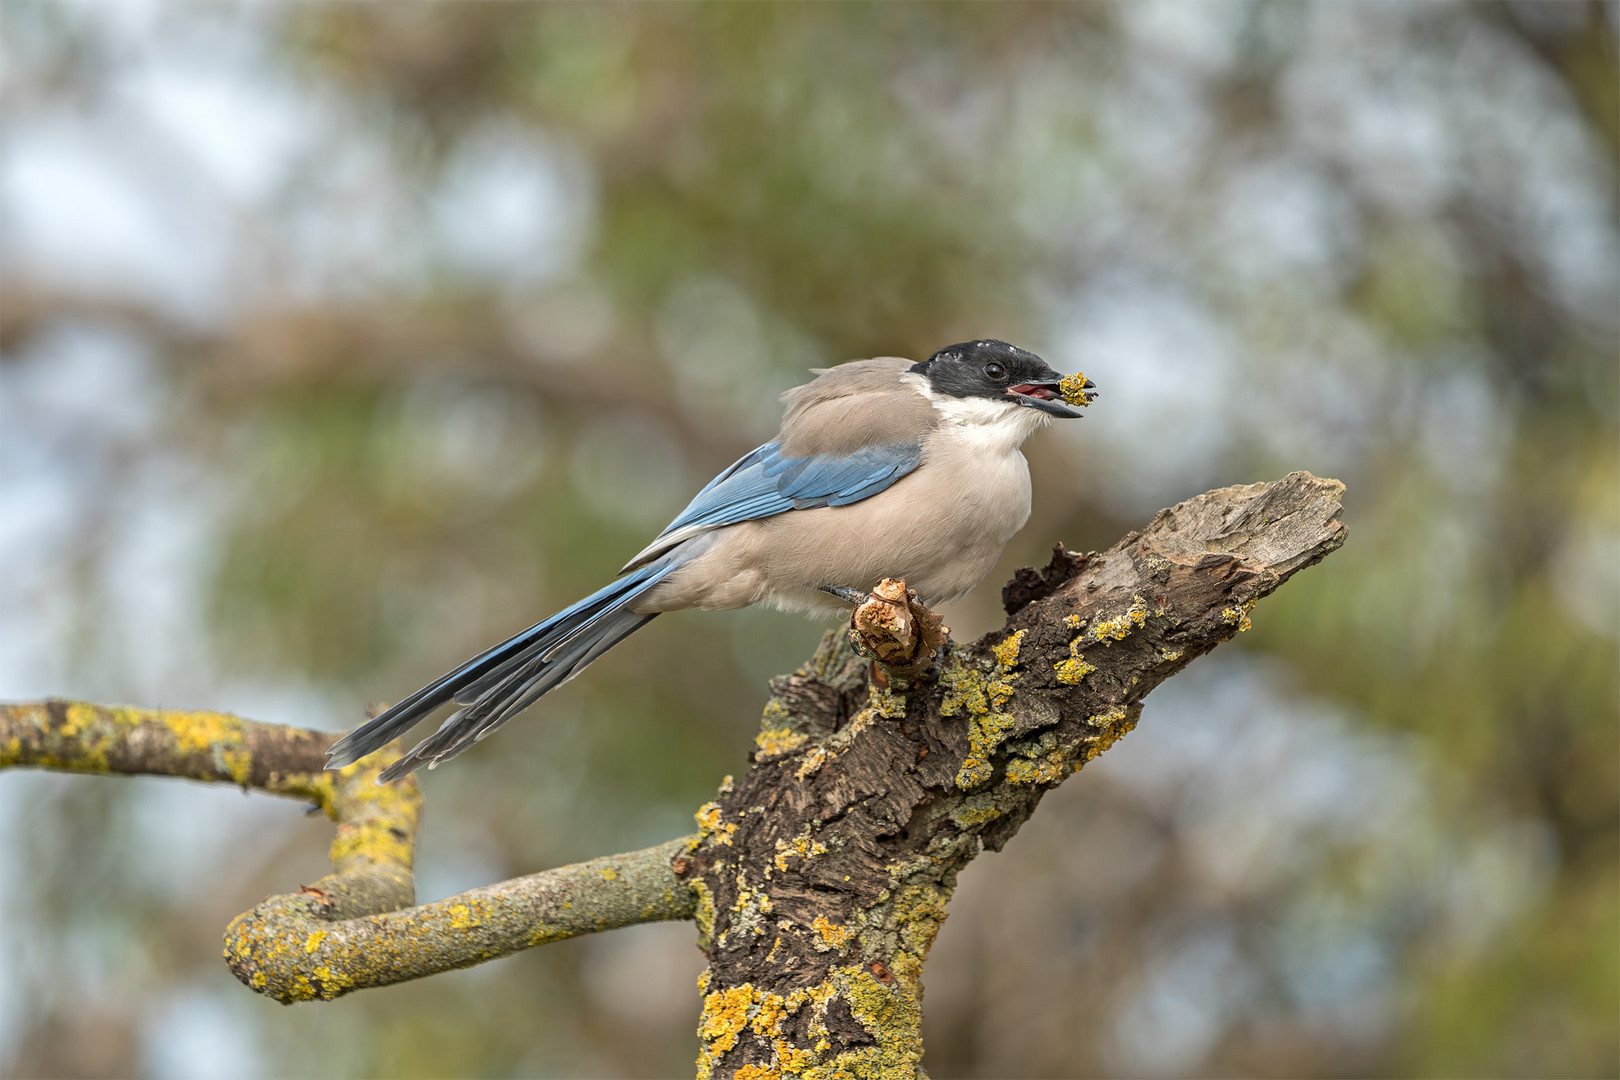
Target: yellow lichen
x=773, y=741
x=370, y=841
x=890, y=1011
x=1114, y=725
x=545, y=934
x=832, y=936
x=768, y=1020
x=462, y=917
x=792, y=1060
x=707, y=817
x=1048, y=768
x=1121, y=626
x=314, y=940
x=982, y=698
x=77, y=717
x=239, y=764
x=892, y=1015
x=918, y=911
x=709, y=824
x=1075, y=668
x=1006, y=651
x=609, y=874
x=1073, y=389
x=801, y=845
x=199, y=732
x=725, y=1015
x=985, y=732
x=1239, y=617
x=812, y=762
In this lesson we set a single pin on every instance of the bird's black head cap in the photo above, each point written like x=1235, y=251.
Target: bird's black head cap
x=996, y=370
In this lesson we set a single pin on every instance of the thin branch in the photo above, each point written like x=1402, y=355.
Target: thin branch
x=354, y=928
x=196, y=745
x=290, y=948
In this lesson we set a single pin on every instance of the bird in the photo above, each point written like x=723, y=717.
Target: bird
x=883, y=468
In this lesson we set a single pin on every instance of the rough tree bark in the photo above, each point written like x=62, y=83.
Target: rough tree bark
x=819, y=880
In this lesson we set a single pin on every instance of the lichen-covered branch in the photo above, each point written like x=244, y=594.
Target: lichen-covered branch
x=197, y=745
x=293, y=949
x=824, y=874
x=819, y=881
x=354, y=928
x=376, y=828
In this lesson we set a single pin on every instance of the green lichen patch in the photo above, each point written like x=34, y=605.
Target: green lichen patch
x=975, y=810
x=1049, y=768
x=705, y=914
x=885, y=702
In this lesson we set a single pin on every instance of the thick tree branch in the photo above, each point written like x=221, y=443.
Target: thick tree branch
x=354, y=928
x=824, y=874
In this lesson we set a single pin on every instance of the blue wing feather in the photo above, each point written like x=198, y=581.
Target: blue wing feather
x=763, y=483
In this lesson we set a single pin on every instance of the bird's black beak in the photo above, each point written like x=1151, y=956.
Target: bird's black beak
x=1062, y=396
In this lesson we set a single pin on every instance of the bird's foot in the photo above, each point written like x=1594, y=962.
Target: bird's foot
x=891, y=626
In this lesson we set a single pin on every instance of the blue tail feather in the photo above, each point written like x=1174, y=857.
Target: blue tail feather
x=500, y=682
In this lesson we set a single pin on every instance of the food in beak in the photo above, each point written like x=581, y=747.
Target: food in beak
x=1074, y=389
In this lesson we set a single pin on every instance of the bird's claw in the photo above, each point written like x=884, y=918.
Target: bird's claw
x=847, y=594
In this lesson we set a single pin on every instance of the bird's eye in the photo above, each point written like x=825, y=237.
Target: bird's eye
x=995, y=372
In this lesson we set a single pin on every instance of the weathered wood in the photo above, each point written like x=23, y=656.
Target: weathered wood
x=823, y=875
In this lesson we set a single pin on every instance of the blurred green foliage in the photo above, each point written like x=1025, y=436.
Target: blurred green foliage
x=524, y=276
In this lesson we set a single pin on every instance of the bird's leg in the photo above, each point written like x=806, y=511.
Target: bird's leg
x=847, y=594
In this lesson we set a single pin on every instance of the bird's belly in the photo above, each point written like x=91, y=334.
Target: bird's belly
x=942, y=529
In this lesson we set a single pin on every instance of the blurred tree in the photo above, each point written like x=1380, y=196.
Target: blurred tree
x=335, y=340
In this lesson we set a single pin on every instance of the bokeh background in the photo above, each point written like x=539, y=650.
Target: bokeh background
x=340, y=341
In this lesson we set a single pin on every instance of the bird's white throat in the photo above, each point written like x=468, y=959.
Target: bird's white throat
x=992, y=425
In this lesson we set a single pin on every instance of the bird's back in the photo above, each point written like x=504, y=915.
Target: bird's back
x=852, y=406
